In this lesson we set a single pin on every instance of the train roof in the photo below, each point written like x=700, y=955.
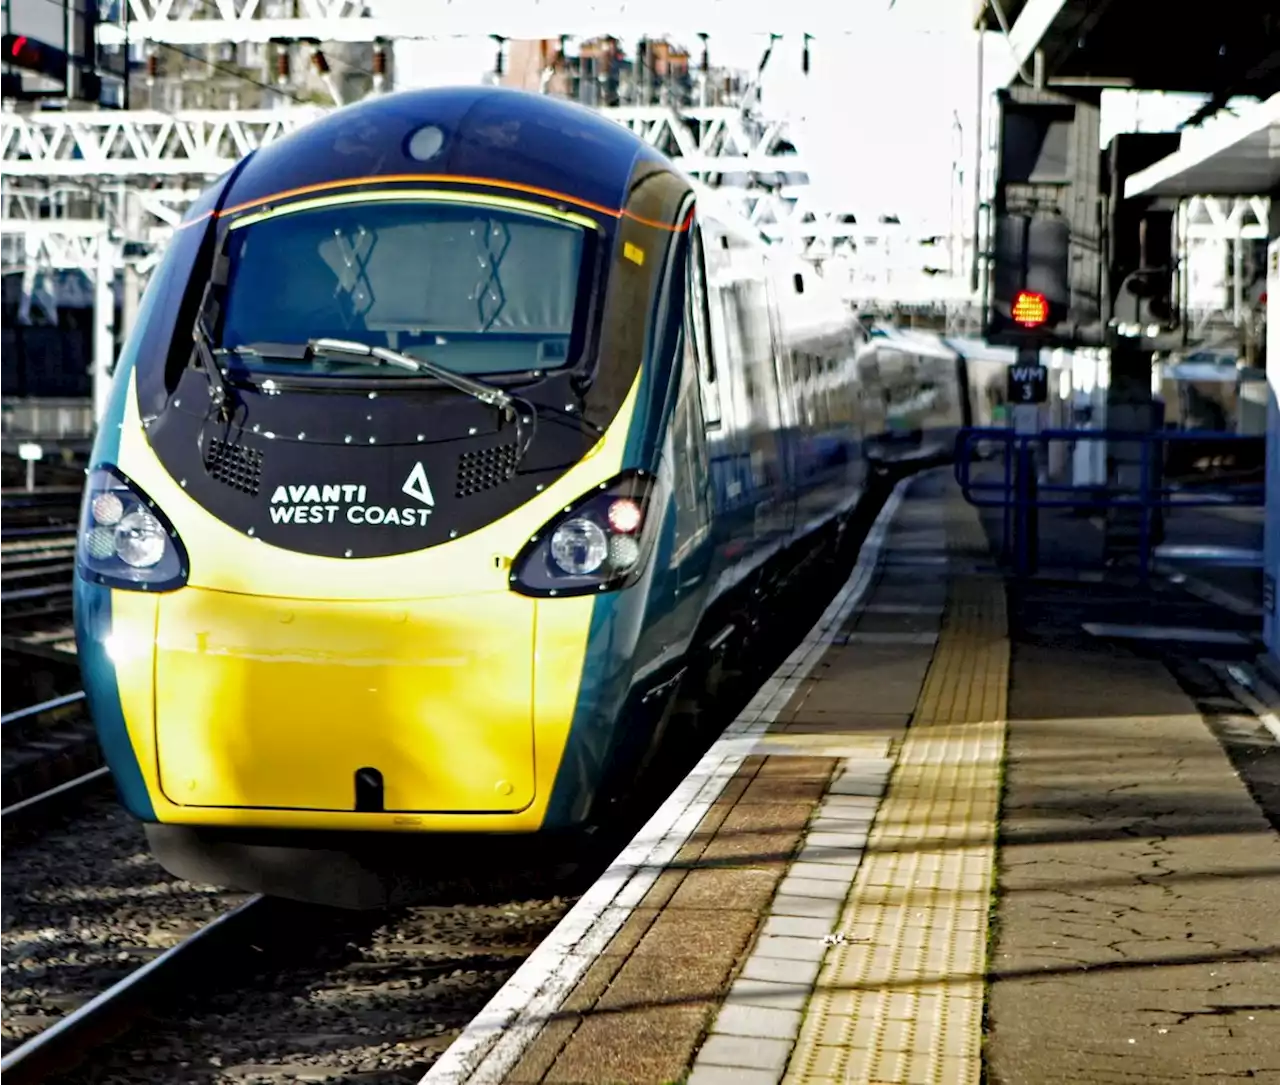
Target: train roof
x=716, y=206
x=980, y=350
x=910, y=339
x=453, y=133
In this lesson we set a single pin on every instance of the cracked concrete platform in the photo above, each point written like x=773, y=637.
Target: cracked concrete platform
x=1139, y=886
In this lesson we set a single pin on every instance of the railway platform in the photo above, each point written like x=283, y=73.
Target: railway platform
x=970, y=830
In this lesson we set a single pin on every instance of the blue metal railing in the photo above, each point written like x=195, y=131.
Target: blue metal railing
x=1011, y=480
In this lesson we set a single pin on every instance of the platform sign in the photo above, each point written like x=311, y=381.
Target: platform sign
x=29, y=452
x=1027, y=383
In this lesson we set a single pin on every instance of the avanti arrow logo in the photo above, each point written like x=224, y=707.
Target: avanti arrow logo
x=417, y=486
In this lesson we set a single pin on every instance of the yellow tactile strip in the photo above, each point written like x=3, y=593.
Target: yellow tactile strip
x=900, y=998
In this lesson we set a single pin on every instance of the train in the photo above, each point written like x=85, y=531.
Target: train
x=458, y=436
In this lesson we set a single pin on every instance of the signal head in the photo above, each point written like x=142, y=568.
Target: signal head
x=1030, y=310
x=38, y=57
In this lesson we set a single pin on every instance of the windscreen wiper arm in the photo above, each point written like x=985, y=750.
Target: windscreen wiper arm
x=219, y=391
x=485, y=393
x=526, y=423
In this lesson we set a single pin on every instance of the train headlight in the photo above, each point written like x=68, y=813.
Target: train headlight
x=124, y=540
x=140, y=539
x=579, y=546
x=597, y=544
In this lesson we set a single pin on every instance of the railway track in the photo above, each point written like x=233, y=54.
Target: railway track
x=35, y=578
x=115, y=967
x=46, y=747
x=37, y=553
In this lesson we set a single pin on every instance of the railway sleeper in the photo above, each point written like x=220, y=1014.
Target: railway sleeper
x=40, y=766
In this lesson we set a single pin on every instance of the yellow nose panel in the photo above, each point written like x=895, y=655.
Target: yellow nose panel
x=278, y=703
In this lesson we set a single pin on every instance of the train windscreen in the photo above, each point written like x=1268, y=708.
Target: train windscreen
x=477, y=287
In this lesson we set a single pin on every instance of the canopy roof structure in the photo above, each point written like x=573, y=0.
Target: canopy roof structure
x=1240, y=157
x=1226, y=49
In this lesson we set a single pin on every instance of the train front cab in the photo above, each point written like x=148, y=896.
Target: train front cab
x=274, y=707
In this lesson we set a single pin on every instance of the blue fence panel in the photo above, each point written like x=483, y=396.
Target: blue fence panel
x=1017, y=490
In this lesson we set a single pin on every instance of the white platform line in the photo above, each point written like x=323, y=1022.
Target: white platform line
x=1211, y=593
x=491, y=1045
x=1163, y=632
x=1244, y=683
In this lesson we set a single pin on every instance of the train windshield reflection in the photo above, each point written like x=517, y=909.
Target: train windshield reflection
x=477, y=288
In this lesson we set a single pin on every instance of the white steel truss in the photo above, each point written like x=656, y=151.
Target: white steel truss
x=201, y=22
x=155, y=207
x=1215, y=231
x=138, y=144
x=712, y=141
x=1219, y=218
x=110, y=150
x=53, y=245
x=113, y=157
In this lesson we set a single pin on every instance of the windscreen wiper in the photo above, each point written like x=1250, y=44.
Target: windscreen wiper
x=219, y=391
x=485, y=393
x=478, y=389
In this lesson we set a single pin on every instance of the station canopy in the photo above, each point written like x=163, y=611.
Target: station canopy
x=1224, y=49
x=1238, y=157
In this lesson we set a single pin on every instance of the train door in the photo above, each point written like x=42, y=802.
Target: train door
x=695, y=423
x=699, y=329
x=752, y=307
x=788, y=427
x=721, y=383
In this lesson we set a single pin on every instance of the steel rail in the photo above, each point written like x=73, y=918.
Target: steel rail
x=39, y=709
x=67, y=1043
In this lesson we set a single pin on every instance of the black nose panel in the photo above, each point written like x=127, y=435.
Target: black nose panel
x=369, y=798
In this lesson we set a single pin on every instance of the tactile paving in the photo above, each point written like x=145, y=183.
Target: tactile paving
x=899, y=998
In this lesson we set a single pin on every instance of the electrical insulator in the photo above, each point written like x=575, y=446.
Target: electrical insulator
x=282, y=66
x=804, y=61
x=153, y=68
x=379, y=61
x=322, y=64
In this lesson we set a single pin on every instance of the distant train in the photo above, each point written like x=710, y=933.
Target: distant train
x=458, y=434
x=927, y=390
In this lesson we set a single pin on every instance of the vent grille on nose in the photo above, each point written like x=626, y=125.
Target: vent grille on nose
x=235, y=466
x=484, y=469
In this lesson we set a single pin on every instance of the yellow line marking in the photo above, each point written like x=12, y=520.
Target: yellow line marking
x=775, y=743
x=901, y=1000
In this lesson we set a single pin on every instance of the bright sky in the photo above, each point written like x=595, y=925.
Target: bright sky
x=884, y=112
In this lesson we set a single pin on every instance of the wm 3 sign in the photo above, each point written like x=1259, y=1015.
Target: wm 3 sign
x=1027, y=383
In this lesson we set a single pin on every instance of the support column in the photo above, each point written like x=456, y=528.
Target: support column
x=104, y=325
x=1131, y=409
x=1271, y=544
x=132, y=293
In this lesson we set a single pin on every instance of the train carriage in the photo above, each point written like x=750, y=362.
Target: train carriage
x=456, y=435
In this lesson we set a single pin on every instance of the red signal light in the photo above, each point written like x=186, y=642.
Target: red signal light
x=1030, y=309
x=36, y=56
